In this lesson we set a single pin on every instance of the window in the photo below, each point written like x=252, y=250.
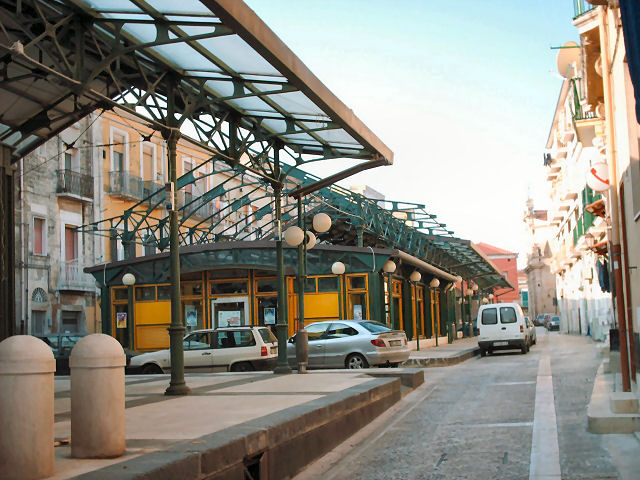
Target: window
x=489, y=316
x=39, y=238
x=239, y=338
x=375, y=327
x=507, y=315
x=119, y=160
x=145, y=294
x=148, y=161
x=198, y=341
x=70, y=243
x=70, y=321
x=267, y=336
x=315, y=330
x=340, y=330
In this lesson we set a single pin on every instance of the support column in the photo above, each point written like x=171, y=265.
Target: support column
x=177, y=385
x=281, y=319
x=7, y=245
x=302, y=340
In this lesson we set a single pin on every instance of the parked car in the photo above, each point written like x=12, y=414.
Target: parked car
x=539, y=320
x=531, y=330
x=553, y=323
x=502, y=327
x=234, y=349
x=352, y=344
x=61, y=345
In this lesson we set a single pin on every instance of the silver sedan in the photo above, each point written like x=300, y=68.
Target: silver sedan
x=352, y=344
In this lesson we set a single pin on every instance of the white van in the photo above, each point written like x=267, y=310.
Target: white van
x=502, y=327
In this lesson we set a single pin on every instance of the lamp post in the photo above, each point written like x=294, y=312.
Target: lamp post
x=129, y=280
x=415, y=278
x=389, y=267
x=304, y=240
x=433, y=286
x=469, y=293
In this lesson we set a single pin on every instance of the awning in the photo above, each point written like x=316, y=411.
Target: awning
x=223, y=64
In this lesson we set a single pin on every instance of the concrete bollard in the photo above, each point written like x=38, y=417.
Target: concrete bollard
x=26, y=408
x=97, y=397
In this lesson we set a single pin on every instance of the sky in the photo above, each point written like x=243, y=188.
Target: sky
x=462, y=92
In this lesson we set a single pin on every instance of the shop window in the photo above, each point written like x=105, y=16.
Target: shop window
x=357, y=282
x=328, y=284
x=191, y=289
x=267, y=285
x=164, y=292
x=228, y=288
x=144, y=294
x=357, y=306
x=309, y=285
x=120, y=294
x=192, y=314
x=267, y=310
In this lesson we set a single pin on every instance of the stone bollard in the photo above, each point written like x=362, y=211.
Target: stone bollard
x=97, y=397
x=26, y=408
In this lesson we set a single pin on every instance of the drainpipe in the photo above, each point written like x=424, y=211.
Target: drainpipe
x=24, y=278
x=614, y=230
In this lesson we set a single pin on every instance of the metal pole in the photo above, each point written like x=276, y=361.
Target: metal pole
x=177, y=385
x=390, y=291
x=281, y=319
x=130, y=316
x=418, y=328
x=302, y=340
x=437, y=313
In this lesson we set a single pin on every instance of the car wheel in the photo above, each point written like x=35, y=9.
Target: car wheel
x=241, y=367
x=483, y=352
x=355, y=360
x=524, y=349
x=151, y=369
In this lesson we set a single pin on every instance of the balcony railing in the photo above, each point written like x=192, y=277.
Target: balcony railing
x=73, y=278
x=580, y=7
x=74, y=183
x=124, y=184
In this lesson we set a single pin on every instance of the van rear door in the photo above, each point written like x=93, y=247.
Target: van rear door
x=509, y=324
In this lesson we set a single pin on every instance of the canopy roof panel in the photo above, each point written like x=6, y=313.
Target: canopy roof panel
x=215, y=58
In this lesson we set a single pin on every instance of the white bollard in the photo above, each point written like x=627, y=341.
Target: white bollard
x=97, y=397
x=26, y=408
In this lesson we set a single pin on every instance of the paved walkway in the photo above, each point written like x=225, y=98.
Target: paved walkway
x=221, y=402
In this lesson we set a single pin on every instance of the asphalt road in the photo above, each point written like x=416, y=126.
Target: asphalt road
x=506, y=416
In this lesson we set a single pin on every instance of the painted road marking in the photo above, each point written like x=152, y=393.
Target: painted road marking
x=545, y=453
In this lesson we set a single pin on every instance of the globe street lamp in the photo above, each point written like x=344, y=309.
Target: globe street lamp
x=129, y=280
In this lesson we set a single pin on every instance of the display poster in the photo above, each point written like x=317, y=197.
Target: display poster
x=357, y=312
x=121, y=320
x=191, y=315
x=270, y=316
x=229, y=318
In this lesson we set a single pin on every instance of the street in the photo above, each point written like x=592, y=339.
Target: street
x=492, y=418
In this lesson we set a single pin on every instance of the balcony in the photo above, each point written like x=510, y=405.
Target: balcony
x=149, y=187
x=74, y=185
x=195, y=209
x=580, y=7
x=122, y=184
x=72, y=277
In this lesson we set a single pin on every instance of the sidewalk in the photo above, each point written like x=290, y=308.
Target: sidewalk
x=445, y=354
x=233, y=422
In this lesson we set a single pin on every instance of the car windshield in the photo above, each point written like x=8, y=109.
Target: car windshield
x=375, y=327
x=267, y=336
x=555, y=319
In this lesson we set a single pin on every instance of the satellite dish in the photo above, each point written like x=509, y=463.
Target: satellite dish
x=568, y=59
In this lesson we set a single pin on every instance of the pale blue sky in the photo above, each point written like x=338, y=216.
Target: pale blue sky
x=463, y=92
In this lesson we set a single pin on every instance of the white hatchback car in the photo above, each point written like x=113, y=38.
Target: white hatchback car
x=234, y=349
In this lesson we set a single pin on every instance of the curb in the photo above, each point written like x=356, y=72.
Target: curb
x=442, y=361
x=275, y=446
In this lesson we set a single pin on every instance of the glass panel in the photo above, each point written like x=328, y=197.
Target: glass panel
x=375, y=327
x=270, y=285
x=328, y=284
x=357, y=283
x=238, y=338
x=229, y=314
x=164, y=292
x=120, y=293
x=218, y=274
x=309, y=285
x=267, y=311
x=198, y=341
x=267, y=336
x=192, y=314
x=191, y=289
x=316, y=330
x=358, y=306
x=145, y=293
x=191, y=276
x=121, y=324
x=489, y=316
x=225, y=288
x=507, y=315
x=340, y=330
